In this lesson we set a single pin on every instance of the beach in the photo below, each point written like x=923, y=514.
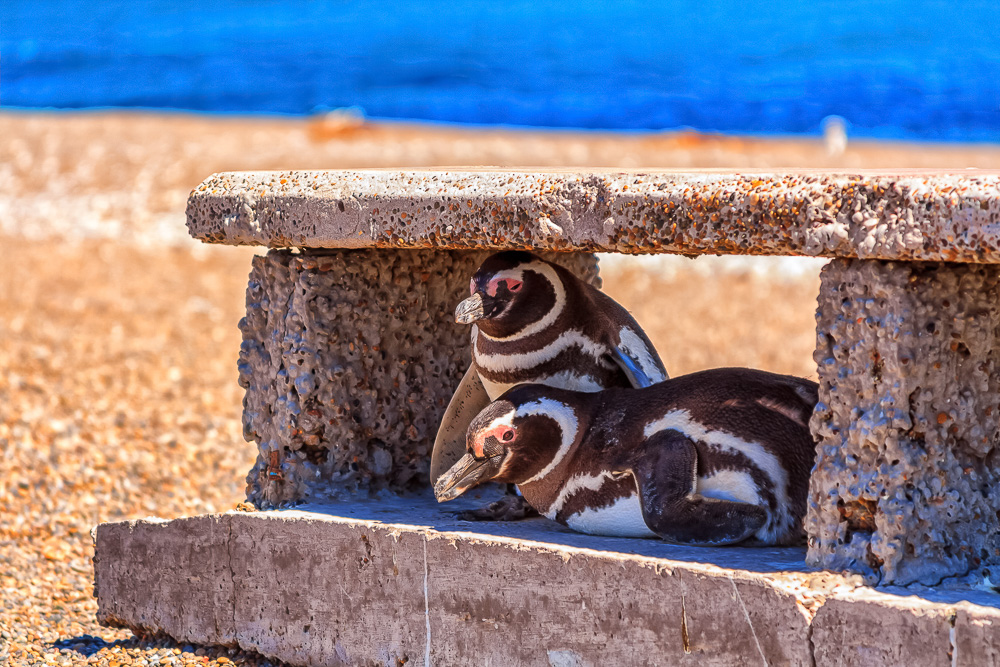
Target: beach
x=119, y=339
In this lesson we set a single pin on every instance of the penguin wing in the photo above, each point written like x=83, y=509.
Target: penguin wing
x=637, y=358
x=666, y=474
x=468, y=401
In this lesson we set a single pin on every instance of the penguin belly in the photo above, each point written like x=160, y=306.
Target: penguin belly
x=622, y=518
x=735, y=485
x=564, y=380
x=598, y=504
x=739, y=486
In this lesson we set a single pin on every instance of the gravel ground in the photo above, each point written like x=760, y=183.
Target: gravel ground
x=117, y=400
x=118, y=338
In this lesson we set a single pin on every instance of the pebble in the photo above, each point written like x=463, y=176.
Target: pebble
x=85, y=398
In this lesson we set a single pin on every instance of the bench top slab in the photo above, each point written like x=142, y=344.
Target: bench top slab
x=901, y=215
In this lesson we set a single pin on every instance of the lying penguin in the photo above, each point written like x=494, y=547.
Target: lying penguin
x=534, y=321
x=712, y=458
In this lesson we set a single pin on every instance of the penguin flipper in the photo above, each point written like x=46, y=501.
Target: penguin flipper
x=665, y=476
x=468, y=401
x=635, y=355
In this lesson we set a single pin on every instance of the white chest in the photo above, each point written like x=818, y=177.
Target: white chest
x=623, y=518
x=563, y=380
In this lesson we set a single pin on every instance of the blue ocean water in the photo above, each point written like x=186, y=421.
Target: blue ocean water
x=912, y=69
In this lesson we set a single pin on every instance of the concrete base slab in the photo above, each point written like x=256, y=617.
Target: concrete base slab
x=399, y=580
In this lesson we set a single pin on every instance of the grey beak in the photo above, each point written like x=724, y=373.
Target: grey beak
x=470, y=310
x=464, y=475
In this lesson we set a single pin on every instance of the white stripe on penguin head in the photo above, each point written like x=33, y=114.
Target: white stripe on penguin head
x=568, y=424
x=539, y=325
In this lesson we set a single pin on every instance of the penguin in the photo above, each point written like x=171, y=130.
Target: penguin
x=535, y=322
x=713, y=458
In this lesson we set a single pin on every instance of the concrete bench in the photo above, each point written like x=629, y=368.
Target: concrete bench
x=350, y=357
x=350, y=353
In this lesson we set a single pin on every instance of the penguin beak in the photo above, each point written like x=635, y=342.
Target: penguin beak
x=470, y=310
x=465, y=474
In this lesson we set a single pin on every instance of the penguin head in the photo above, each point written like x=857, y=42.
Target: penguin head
x=510, y=292
x=515, y=439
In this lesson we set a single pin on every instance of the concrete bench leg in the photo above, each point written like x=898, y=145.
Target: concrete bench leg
x=349, y=359
x=907, y=481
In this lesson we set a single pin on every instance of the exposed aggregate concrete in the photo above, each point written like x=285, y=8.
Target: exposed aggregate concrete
x=907, y=481
x=349, y=359
x=864, y=516
x=874, y=215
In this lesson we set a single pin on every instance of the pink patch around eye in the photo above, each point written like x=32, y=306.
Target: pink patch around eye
x=503, y=433
x=510, y=284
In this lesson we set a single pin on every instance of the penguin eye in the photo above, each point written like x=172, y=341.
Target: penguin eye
x=507, y=435
x=494, y=285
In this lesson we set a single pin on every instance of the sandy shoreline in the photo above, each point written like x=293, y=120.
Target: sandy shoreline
x=118, y=338
x=127, y=175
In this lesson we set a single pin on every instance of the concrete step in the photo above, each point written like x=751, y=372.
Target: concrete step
x=399, y=580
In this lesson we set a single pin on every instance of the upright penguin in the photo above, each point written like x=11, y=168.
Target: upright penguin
x=535, y=322
x=712, y=458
